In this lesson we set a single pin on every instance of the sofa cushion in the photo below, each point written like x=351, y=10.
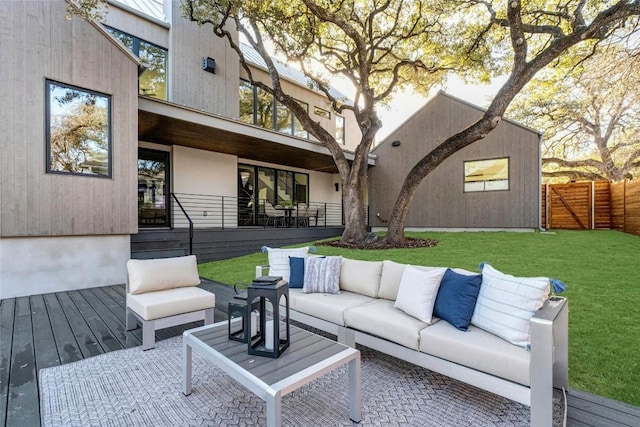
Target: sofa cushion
x=390, y=279
x=362, y=277
x=279, y=260
x=155, y=305
x=417, y=292
x=456, y=298
x=506, y=304
x=382, y=319
x=296, y=267
x=329, y=307
x=150, y=275
x=477, y=349
x=322, y=274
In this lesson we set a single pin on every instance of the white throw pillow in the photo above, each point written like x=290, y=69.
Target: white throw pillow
x=322, y=275
x=279, y=260
x=417, y=292
x=506, y=304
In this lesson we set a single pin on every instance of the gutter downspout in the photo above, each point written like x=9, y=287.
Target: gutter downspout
x=541, y=226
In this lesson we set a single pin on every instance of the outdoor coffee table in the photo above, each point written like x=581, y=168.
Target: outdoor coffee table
x=308, y=357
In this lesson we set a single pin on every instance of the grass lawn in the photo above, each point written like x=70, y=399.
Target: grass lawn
x=601, y=269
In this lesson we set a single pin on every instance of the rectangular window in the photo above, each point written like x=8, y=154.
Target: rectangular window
x=298, y=130
x=486, y=175
x=246, y=102
x=264, y=109
x=322, y=113
x=78, y=123
x=284, y=119
x=340, y=129
x=153, y=82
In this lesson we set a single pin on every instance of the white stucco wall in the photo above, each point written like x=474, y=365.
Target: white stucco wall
x=205, y=173
x=37, y=265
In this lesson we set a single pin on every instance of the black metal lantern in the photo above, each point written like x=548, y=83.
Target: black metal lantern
x=242, y=318
x=273, y=335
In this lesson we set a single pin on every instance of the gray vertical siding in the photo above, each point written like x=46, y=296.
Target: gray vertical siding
x=38, y=43
x=440, y=201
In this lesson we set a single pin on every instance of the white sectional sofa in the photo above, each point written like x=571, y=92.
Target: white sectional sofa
x=364, y=312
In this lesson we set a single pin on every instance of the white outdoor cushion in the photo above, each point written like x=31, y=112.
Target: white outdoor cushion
x=156, y=305
x=150, y=275
x=279, y=260
x=390, y=279
x=362, y=277
x=329, y=307
x=477, y=349
x=506, y=304
x=417, y=292
x=382, y=319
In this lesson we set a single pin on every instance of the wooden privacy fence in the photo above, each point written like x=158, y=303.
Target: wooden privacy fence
x=592, y=205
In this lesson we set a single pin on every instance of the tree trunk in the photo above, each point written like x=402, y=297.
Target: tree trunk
x=355, y=227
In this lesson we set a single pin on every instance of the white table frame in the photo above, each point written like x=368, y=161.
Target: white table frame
x=272, y=393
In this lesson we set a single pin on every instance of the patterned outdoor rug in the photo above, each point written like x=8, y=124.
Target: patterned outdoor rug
x=136, y=388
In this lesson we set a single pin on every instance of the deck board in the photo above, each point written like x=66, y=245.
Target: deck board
x=23, y=402
x=46, y=330
x=7, y=310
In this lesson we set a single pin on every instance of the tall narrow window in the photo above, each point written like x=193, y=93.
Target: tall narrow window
x=284, y=119
x=486, y=175
x=78, y=130
x=340, y=130
x=264, y=109
x=153, y=82
x=298, y=130
x=246, y=102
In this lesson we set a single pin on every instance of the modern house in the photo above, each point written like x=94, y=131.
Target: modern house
x=493, y=184
x=168, y=129
x=120, y=136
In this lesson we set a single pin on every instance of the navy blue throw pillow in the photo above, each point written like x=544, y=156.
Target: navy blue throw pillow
x=457, y=297
x=296, y=265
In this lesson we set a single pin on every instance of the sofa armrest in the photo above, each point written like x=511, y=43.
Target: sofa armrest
x=549, y=356
x=260, y=270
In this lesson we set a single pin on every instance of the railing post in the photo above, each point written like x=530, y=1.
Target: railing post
x=223, y=212
x=188, y=219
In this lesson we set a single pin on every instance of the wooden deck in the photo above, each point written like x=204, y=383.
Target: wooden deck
x=48, y=330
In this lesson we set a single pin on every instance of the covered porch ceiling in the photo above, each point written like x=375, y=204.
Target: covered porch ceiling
x=165, y=123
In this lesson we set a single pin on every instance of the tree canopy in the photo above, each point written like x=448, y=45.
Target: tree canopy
x=589, y=115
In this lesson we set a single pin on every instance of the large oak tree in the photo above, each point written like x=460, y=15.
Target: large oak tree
x=590, y=116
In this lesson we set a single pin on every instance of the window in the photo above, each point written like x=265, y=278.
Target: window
x=258, y=107
x=246, y=102
x=298, y=130
x=340, y=129
x=322, y=113
x=78, y=130
x=153, y=82
x=486, y=175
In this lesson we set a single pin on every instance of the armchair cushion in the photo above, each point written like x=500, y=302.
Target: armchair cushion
x=156, y=305
x=151, y=275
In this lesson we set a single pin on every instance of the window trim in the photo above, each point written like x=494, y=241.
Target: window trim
x=464, y=175
x=47, y=118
